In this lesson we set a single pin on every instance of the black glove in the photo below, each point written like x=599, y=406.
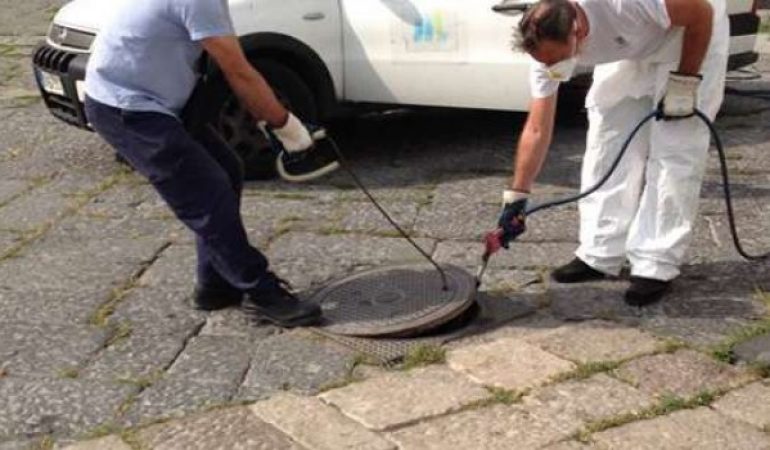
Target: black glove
x=513, y=221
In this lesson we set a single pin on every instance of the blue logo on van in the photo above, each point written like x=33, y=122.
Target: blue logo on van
x=431, y=29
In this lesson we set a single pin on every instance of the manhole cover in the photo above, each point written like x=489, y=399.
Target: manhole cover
x=397, y=301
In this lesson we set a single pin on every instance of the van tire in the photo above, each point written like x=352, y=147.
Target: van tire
x=239, y=129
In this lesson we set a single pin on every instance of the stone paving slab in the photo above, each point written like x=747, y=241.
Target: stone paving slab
x=697, y=332
x=508, y=363
x=232, y=322
x=553, y=225
x=51, y=306
x=755, y=350
x=341, y=251
x=473, y=188
x=10, y=189
x=9, y=240
x=136, y=358
x=569, y=445
x=296, y=362
x=38, y=350
x=175, y=267
x=306, y=275
x=213, y=360
x=34, y=210
x=79, y=227
x=700, y=428
x=402, y=398
x=225, y=429
x=590, y=400
x=120, y=201
x=599, y=341
x=365, y=218
x=685, y=373
x=319, y=426
x=526, y=282
x=159, y=311
x=69, y=267
x=594, y=300
x=750, y=404
x=297, y=213
x=456, y=221
x=175, y=397
x=523, y=255
x=26, y=444
x=495, y=428
x=58, y=406
x=105, y=443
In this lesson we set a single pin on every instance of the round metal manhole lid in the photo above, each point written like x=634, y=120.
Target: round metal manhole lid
x=397, y=301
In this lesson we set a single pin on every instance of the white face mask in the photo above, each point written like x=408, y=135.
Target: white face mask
x=564, y=69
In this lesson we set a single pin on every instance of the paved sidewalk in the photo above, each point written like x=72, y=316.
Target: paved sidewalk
x=99, y=348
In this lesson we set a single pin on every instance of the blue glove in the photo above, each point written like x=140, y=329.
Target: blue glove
x=513, y=218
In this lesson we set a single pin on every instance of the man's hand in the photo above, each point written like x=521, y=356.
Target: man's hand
x=513, y=218
x=293, y=135
x=681, y=97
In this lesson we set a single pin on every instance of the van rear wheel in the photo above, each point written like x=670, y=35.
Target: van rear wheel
x=239, y=129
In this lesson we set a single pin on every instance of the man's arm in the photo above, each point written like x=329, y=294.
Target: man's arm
x=534, y=142
x=250, y=87
x=696, y=16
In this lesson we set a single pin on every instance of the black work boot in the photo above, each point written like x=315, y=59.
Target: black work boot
x=576, y=271
x=274, y=302
x=644, y=291
x=212, y=299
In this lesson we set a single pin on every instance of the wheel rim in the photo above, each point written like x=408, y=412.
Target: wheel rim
x=239, y=129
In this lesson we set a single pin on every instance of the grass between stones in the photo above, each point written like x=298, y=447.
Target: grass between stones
x=667, y=405
x=119, y=333
x=131, y=438
x=83, y=198
x=70, y=373
x=101, y=316
x=725, y=351
x=424, y=355
x=503, y=396
x=587, y=370
x=47, y=443
x=352, y=376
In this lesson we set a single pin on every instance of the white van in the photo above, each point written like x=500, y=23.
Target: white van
x=323, y=55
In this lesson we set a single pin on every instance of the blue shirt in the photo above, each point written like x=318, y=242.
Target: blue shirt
x=144, y=57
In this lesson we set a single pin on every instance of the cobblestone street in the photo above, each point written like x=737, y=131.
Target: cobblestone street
x=101, y=349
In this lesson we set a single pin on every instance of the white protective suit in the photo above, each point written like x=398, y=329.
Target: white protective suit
x=646, y=210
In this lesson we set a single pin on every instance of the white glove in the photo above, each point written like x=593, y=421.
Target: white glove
x=510, y=196
x=294, y=136
x=681, y=97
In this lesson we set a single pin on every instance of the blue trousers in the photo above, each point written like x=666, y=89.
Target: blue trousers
x=200, y=178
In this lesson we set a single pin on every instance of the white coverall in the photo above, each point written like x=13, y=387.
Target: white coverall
x=646, y=210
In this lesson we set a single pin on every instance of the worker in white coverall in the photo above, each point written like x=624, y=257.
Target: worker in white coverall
x=665, y=54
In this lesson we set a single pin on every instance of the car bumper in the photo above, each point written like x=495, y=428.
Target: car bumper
x=59, y=75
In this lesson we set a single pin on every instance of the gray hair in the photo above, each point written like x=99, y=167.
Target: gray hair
x=546, y=20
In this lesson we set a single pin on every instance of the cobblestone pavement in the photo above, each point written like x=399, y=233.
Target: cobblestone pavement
x=98, y=340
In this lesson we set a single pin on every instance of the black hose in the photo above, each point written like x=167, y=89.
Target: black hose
x=624, y=148
x=344, y=163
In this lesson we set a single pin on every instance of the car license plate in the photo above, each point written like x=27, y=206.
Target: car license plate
x=51, y=83
x=80, y=87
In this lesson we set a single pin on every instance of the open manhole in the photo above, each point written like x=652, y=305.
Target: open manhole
x=397, y=301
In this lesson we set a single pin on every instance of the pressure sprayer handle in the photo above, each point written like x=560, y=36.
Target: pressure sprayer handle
x=493, y=242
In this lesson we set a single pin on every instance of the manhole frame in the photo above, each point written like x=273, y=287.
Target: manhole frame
x=455, y=307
